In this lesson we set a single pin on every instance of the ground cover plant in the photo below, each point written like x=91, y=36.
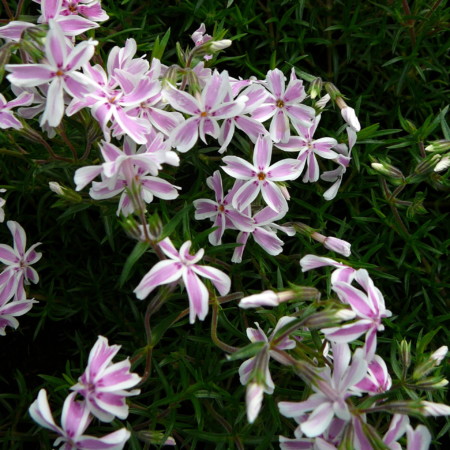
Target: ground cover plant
x=223, y=224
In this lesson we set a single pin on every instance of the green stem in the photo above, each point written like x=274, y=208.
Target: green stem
x=214, y=320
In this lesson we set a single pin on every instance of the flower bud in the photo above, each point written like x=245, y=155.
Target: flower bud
x=438, y=146
x=443, y=164
x=253, y=400
x=435, y=409
x=439, y=354
x=215, y=46
x=328, y=318
x=388, y=170
x=431, y=383
x=334, y=92
x=338, y=245
x=65, y=192
x=405, y=354
x=430, y=363
x=315, y=88
x=349, y=115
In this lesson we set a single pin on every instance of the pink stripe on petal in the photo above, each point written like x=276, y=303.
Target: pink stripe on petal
x=185, y=135
x=286, y=169
x=8, y=255
x=276, y=82
x=238, y=168
x=19, y=236
x=75, y=416
x=318, y=421
x=268, y=240
x=304, y=114
x=215, y=238
x=250, y=126
x=228, y=110
x=347, y=333
x=56, y=46
x=221, y=280
x=182, y=101
x=41, y=413
x=294, y=92
x=163, y=272
x=29, y=75
x=246, y=194
x=214, y=91
x=262, y=153
x=100, y=356
x=355, y=298
x=265, y=111
x=74, y=25
x=198, y=296
x=279, y=127
x=273, y=197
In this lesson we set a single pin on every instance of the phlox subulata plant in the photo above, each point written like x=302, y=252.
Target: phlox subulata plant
x=262, y=138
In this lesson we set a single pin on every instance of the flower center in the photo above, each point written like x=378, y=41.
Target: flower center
x=203, y=114
x=221, y=208
x=261, y=176
x=59, y=73
x=280, y=103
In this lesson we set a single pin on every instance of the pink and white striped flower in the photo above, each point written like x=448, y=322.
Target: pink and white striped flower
x=9, y=310
x=18, y=271
x=181, y=265
x=220, y=211
x=60, y=72
x=308, y=148
x=369, y=307
x=75, y=419
x=283, y=104
x=331, y=392
x=104, y=384
x=255, y=371
x=205, y=109
x=261, y=176
x=263, y=232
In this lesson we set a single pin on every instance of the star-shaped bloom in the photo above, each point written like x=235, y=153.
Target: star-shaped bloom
x=221, y=212
x=255, y=371
x=60, y=71
x=308, y=148
x=75, y=419
x=330, y=392
x=261, y=176
x=103, y=384
x=18, y=261
x=283, y=104
x=369, y=307
x=205, y=110
x=182, y=265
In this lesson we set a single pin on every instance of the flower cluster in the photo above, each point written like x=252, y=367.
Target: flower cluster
x=103, y=387
x=16, y=274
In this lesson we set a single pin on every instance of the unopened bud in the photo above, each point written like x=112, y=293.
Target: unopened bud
x=405, y=354
x=443, y=164
x=328, y=318
x=334, y=92
x=215, y=46
x=155, y=226
x=388, y=170
x=65, y=192
x=338, y=245
x=315, y=88
x=349, y=115
x=131, y=227
x=155, y=438
x=427, y=165
x=430, y=363
x=431, y=383
x=438, y=146
x=435, y=409
x=439, y=354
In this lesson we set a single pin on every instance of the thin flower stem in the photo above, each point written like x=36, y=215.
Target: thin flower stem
x=66, y=140
x=398, y=219
x=422, y=150
x=19, y=8
x=214, y=320
x=8, y=10
x=410, y=22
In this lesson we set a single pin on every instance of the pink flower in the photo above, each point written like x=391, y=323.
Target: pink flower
x=255, y=371
x=369, y=307
x=261, y=176
x=7, y=119
x=75, y=419
x=221, y=212
x=103, y=384
x=377, y=380
x=18, y=261
x=10, y=310
x=283, y=105
x=342, y=273
x=60, y=72
x=330, y=392
x=205, y=110
x=182, y=265
x=308, y=148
